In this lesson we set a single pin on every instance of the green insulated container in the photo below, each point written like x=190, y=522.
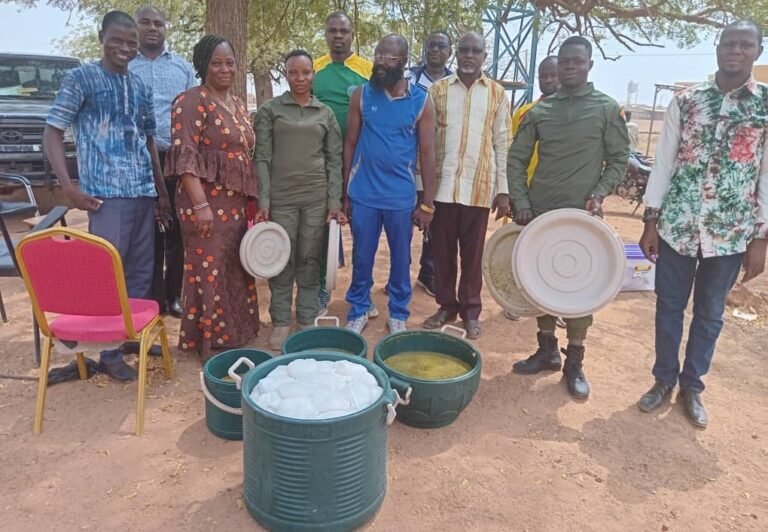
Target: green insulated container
x=432, y=403
x=318, y=475
x=222, y=395
x=334, y=339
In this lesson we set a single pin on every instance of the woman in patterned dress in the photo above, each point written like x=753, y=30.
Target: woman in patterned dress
x=212, y=144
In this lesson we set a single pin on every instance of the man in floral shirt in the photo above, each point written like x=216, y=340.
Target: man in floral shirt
x=707, y=212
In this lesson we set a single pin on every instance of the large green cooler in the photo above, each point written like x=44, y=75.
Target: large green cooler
x=324, y=475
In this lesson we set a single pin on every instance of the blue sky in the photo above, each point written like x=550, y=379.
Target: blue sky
x=34, y=30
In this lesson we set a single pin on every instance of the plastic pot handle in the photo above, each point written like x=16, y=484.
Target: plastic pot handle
x=235, y=377
x=391, y=403
x=215, y=402
x=327, y=318
x=459, y=330
x=400, y=386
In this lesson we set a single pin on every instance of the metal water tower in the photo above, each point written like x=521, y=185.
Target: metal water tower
x=514, y=34
x=632, y=88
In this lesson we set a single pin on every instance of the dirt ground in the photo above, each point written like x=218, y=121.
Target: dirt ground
x=523, y=456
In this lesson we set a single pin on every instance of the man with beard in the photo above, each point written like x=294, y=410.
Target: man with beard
x=707, y=213
x=120, y=173
x=548, y=85
x=168, y=75
x=583, y=150
x=438, y=51
x=472, y=138
x=390, y=123
x=337, y=74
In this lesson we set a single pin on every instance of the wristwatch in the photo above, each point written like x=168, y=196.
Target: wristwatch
x=651, y=214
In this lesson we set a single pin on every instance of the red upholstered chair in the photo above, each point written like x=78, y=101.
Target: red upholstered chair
x=79, y=278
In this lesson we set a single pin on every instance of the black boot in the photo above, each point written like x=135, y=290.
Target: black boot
x=546, y=358
x=577, y=383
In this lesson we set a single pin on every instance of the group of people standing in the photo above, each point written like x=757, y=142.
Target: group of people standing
x=167, y=164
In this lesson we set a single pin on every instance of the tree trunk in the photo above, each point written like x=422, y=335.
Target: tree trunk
x=263, y=82
x=229, y=18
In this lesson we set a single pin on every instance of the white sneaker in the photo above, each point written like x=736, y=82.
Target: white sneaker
x=396, y=326
x=510, y=316
x=358, y=324
x=373, y=312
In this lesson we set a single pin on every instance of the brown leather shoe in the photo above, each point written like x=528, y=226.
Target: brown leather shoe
x=473, y=329
x=438, y=319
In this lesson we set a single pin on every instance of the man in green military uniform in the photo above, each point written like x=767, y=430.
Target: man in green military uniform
x=337, y=75
x=583, y=152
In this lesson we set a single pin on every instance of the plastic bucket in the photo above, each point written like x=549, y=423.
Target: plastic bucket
x=334, y=339
x=222, y=397
x=431, y=404
x=328, y=474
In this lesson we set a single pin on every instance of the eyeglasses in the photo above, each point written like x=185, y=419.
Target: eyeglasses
x=386, y=58
x=440, y=45
x=466, y=50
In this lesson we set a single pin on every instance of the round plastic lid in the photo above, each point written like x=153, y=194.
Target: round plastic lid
x=497, y=258
x=334, y=235
x=265, y=250
x=569, y=263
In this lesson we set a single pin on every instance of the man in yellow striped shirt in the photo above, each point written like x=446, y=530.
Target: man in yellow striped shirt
x=548, y=85
x=473, y=136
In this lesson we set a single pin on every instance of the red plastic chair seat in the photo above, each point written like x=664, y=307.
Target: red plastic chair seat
x=104, y=328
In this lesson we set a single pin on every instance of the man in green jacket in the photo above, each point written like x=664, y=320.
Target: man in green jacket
x=583, y=152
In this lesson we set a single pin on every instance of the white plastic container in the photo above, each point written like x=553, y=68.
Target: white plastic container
x=640, y=274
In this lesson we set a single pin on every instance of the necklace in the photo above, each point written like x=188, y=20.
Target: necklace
x=250, y=150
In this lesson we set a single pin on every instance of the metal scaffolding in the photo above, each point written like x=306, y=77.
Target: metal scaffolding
x=514, y=32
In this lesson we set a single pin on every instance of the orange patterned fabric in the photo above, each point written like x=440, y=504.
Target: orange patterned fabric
x=211, y=143
x=221, y=309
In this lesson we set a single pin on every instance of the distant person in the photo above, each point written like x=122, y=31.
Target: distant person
x=583, y=151
x=390, y=124
x=633, y=130
x=111, y=112
x=471, y=143
x=548, y=85
x=706, y=213
x=438, y=52
x=212, y=145
x=337, y=74
x=302, y=194
x=168, y=75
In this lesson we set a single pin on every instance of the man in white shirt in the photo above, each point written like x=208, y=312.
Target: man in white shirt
x=471, y=143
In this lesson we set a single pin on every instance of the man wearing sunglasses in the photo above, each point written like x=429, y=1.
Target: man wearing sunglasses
x=471, y=142
x=391, y=123
x=583, y=150
x=437, y=52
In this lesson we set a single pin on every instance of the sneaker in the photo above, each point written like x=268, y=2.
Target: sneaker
x=358, y=324
x=560, y=322
x=510, y=316
x=323, y=300
x=373, y=312
x=396, y=326
x=427, y=284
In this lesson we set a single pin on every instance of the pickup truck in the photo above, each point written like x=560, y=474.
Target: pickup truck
x=28, y=86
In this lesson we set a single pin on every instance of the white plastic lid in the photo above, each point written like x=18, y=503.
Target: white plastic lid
x=497, y=260
x=334, y=236
x=265, y=250
x=569, y=263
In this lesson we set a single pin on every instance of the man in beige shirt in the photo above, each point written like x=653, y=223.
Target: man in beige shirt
x=473, y=135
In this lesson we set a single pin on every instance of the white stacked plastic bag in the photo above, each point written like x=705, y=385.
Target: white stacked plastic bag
x=308, y=389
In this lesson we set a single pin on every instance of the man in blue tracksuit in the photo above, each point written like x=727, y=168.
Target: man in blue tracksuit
x=390, y=122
